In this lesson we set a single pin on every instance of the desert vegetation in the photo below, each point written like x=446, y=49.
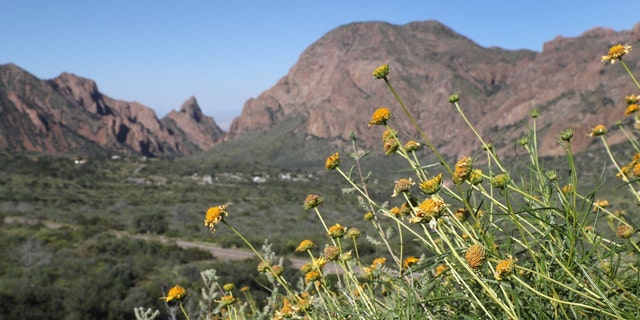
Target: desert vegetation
x=470, y=238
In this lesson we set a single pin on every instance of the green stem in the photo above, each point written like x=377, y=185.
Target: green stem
x=630, y=73
x=184, y=312
x=415, y=124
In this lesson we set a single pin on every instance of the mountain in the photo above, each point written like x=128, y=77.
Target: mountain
x=68, y=114
x=330, y=91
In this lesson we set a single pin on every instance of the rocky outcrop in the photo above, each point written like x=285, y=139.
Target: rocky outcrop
x=69, y=114
x=192, y=126
x=332, y=89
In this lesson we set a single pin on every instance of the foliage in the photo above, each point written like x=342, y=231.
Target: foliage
x=489, y=240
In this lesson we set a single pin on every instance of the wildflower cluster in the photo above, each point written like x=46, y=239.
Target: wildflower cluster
x=516, y=242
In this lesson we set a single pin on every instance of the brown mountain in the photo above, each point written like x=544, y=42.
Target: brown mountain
x=330, y=91
x=69, y=114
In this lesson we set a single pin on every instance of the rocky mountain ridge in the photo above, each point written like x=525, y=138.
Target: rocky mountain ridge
x=68, y=114
x=331, y=87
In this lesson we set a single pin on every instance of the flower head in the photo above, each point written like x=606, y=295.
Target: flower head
x=333, y=161
x=462, y=170
x=390, y=146
x=500, y=181
x=632, y=108
x=336, y=231
x=331, y=253
x=402, y=186
x=409, y=261
x=475, y=177
x=505, y=267
x=566, y=135
x=227, y=300
x=598, y=130
x=175, y=293
x=441, y=268
x=215, y=215
x=429, y=209
x=432, y=185
x=312, y=201
x=380, y=117
x=475, y=256
x=624, y=231
x=632, y=99
x=616, y=53
x=312, y=275
x=378, y=262
x=411, y=145
x=305, y=245
x=381, y=72
x=353, y=233
x=277, y=270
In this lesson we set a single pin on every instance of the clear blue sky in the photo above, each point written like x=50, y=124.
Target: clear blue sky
x=160, y=52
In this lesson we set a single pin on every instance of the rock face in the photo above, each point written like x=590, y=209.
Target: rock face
x=69, y=114
x=192, y=126
x=332, y=89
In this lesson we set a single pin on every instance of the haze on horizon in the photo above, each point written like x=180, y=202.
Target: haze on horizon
x=160, y=53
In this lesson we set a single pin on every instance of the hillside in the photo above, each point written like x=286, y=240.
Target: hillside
x=69, y=115
x=330, y=92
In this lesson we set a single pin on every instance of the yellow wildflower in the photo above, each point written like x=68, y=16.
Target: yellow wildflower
x=616, y=53
x=402, y=186
x=277, y=270
x=390, y=146
x=632, y=99
x=624, y=231
x=500, y=181
x=227, y=300
x=409, y=261
x=333, y=161
x=175, y=293
x=369, y=216
x=440, y=269
x=380, y=117
x=378, y=262
x=475, y=177
x=432, y=185
x=600, y=204
x=263, y=266
x=598, y=130
x=389, y=134
x=462, y=170
x=214, y=216
x=305, y=245
x=286, y=311
x=505, y=267
x=411, y=146
x=306, y=267
x=381, y=72
x=475, y=256
x=228, y=287
x=318, y=264
x=312, y=201
x=312, y=276
x=429, y=209
x=336, y=231
x=331, y=253
x=353, y=233
x=632, y=108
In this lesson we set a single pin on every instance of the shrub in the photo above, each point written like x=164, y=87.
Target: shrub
x=490, y=241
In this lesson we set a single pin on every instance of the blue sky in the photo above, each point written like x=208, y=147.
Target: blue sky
x=160, y=53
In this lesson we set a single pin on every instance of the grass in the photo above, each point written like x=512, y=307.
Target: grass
x=489, y=240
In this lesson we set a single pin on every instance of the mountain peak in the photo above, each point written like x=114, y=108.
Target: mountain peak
x=330, y=92
x=69, y=114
